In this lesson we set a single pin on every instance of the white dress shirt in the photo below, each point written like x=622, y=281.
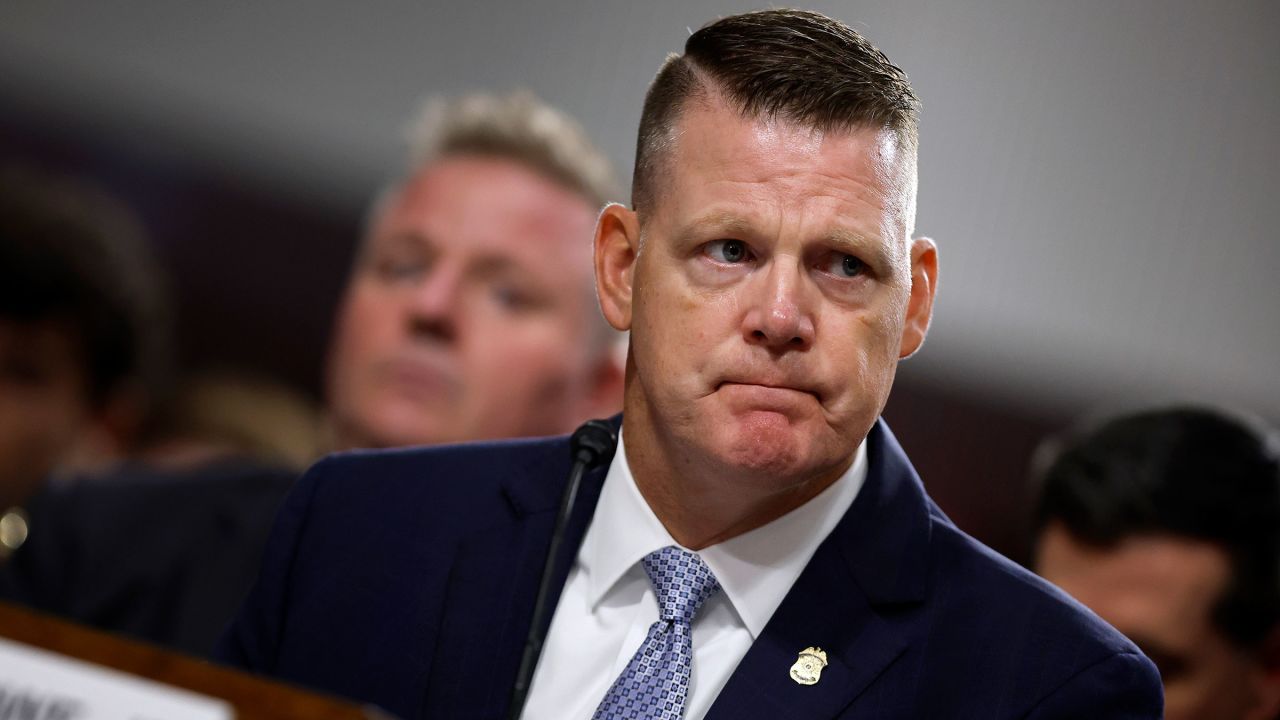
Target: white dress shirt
x=608, y=603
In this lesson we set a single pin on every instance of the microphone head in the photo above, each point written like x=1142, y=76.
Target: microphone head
x=593, y=443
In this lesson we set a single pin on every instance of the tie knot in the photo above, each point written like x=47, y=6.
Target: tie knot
x=681, y=580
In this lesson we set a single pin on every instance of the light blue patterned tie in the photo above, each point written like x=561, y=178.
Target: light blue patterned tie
x=656, y=681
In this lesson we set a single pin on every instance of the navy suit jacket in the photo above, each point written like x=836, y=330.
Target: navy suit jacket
x=406, y=579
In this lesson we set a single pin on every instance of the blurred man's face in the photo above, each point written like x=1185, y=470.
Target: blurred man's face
x=44, y=404
x=771, y=297
x=1160, y=591
x=467, y=316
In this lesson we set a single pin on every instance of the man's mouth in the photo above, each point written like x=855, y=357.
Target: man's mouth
x=765, y=389
x=419, y=379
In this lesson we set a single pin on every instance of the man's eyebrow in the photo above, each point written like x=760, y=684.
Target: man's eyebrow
x=396, y=239
x=490, y=265
x=721, y=221
x=371, y=245
x=870, y=249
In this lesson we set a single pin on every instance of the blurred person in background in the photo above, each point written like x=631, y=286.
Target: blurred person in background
x=471, y=309
x=1166, y=523
x=469, y=314
x=119, y=510
x=83, y=337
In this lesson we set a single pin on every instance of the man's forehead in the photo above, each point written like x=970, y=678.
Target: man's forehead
x=1141, y=576
x=711, y=132
x=493, y=181
x=869, y=165
x=482, y=202
x=714, y=112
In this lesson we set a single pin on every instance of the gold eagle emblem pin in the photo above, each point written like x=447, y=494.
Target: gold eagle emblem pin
x=807, y=669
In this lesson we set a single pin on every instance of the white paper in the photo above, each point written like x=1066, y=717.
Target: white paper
x=42, y=685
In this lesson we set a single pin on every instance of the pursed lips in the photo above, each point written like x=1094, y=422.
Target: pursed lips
x=771, y=385
x=417, y=376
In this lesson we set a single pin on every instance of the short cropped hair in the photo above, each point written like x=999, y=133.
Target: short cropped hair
x=795, y=65
x=71, y=254
x=517, y=127
x=1189, y=472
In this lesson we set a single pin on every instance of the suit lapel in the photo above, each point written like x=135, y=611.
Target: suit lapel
x=876, y=557
x=493, y=583
x=822, y=612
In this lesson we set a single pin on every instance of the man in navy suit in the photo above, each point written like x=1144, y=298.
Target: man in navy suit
x=759, y=546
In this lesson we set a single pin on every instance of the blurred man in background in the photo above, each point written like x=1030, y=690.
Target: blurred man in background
x=471, y=310
x=1167, y=524
x=470, y=314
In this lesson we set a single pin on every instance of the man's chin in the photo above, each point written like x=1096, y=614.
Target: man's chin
x=403, y=427
x=762, y=442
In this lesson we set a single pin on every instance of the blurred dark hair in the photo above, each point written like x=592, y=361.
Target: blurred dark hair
x=70, y=254
x=797, y=65
x=1190, y=472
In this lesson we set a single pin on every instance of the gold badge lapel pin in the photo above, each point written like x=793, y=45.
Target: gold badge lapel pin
x=807, y=669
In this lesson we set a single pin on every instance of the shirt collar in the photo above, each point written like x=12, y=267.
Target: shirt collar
x=755, y=569
x=623, y=531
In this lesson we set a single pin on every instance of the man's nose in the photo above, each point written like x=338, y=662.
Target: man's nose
x=434, y=304
x=780, y=315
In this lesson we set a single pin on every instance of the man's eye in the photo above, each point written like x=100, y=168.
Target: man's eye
x=727, y=251
x=397, y=269
x=843, y=265
x=518, y=298
x=509, y=297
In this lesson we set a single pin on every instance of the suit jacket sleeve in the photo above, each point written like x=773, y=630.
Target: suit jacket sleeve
x=251, y=641
x=1123, y=686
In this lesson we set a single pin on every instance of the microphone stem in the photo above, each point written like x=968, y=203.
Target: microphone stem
x=533, y=645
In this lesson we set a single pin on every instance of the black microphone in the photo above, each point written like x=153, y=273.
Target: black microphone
x=591, y=445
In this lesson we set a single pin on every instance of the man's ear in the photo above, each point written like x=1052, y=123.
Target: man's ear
x=617, y=246
x=924, y=286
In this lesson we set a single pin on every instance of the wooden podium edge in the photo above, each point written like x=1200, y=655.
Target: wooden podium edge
x=253, y=697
